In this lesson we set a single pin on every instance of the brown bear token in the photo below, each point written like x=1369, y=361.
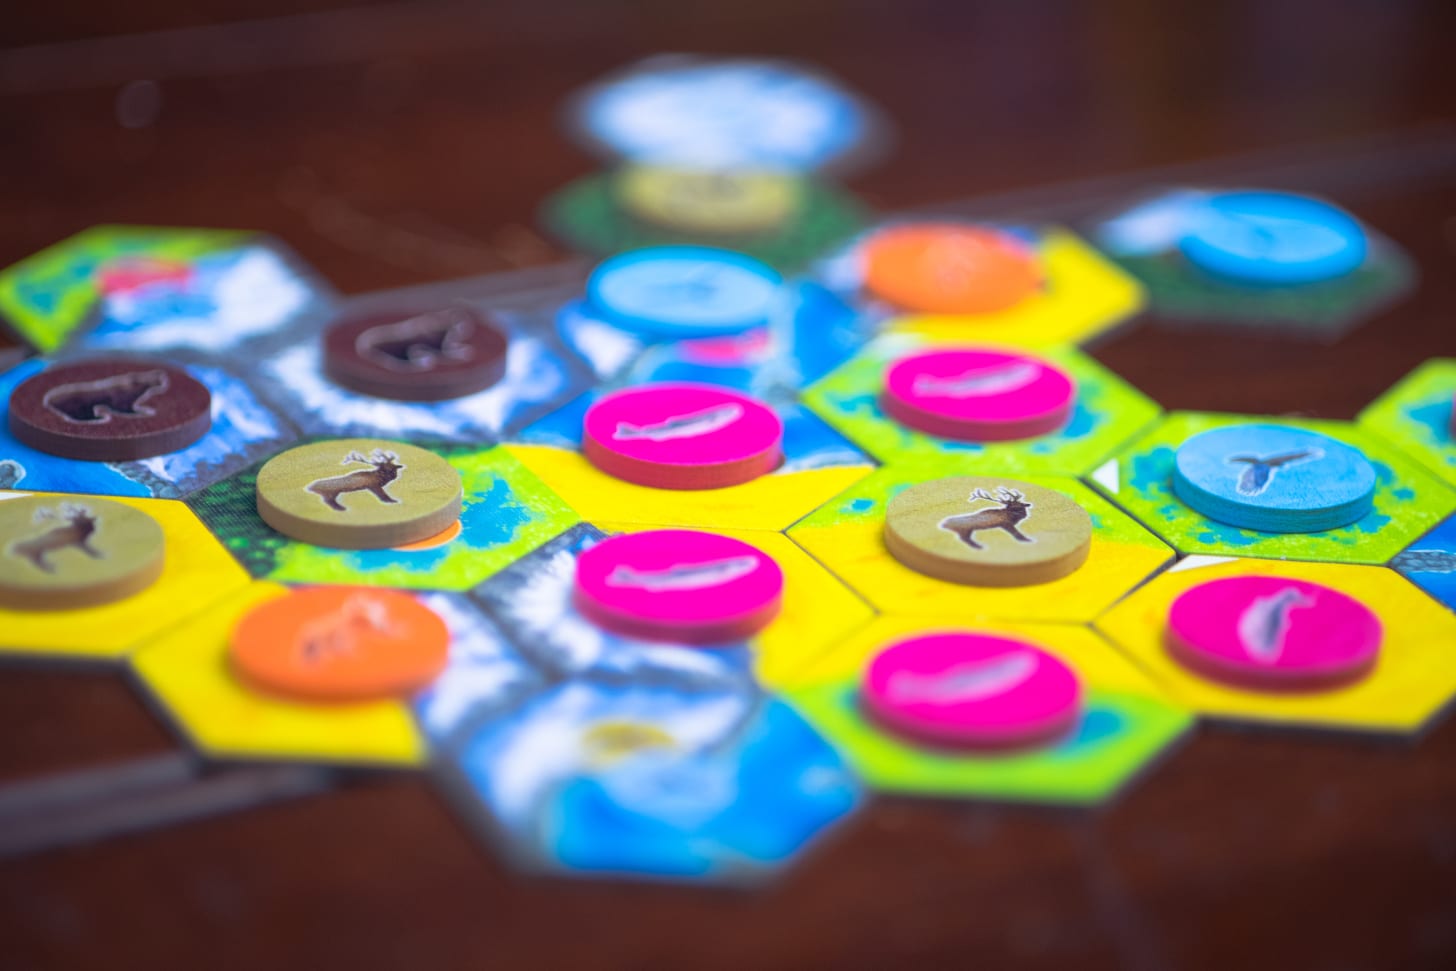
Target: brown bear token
x=110, y=409
x=987, y=532
x=416, y=355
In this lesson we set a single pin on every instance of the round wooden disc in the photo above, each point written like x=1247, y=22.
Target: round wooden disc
x=1273, y=633
x=963, y=689
x=678, y=585
x=358, y=493
x=1273, y=239
x=341, y=644
x=987, y=532
x=59, y=552
x=110, y=410
x=949, y=269
x=676, y=292
x=682, y=436
x=977, y=394
x=706, y=201
x=416, y=355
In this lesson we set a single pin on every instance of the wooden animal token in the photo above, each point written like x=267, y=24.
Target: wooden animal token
x=729, y=202
x=673, y=292
x=978, y=394
x=968, y=690
x=1274, y=479
x=340, y=644
x=947, y=268
x=1273, y=633
x=59, y=552
x=682, y=436
x=678, y=585
x=987, y=531
x=1272, y=239
x=358, y=493
x=421, y=354
x=110, y=409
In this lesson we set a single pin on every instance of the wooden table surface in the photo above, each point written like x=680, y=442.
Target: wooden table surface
x=392, y=144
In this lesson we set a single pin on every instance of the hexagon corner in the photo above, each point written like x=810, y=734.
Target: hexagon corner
x=1415, y=415
x=1430, y=562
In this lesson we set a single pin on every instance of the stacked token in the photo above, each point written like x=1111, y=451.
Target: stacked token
x=111, y=409
x=416, y=355
x=672, y=292
x=65, y=552
x=707, y=201
x=944, y=268
x=987, y=531
x=341, y=644
x=968, y=690
x=1274, y=479
x=1272, y=239
x=1273, y=633
x=978, y=394
x=359, y=493
x=679, y=585
x=682, y=436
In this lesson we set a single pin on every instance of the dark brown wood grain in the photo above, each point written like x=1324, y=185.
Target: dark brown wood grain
x=395, y=144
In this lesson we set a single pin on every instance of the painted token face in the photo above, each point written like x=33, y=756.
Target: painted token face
x=682, y=436
x=1272, y=239
x=707, y=201
x=341, y=644
x=416, y=355
x=1274, y=479
x=75, y=551
x=973, y=690
x=978, y=395
x=684, y=291
x=988, y=532
x=949, y=269
x=110, y=410
x=679, y=585
x=1273, y=632
x=359, y=493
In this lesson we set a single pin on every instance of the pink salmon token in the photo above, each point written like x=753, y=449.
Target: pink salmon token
x=682, y=436
x=678, y=585
x=1273, y=633
x=971, y=691
x=978, y=395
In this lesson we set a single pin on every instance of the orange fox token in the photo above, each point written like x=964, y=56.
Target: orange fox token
x=948, y=269
x=341, y=644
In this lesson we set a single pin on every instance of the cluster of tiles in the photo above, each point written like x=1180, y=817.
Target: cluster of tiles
x=662, y=572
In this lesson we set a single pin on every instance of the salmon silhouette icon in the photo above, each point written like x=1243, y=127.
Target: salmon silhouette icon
x=1259, y=470
x=691, y=576
x=978, y=382
x=690, y=425
x=975, y=681
x=1264, y=624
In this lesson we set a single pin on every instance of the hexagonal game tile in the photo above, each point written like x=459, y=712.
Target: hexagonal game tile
x=650, y=781
x=507, y=512
x=847, y=535
x=146, y=289
x=1083, y=295
x=1416, y=416
x=1408, y=499
x=197, y=571
x=818, y=463
x=243, y=431
x=188, y=674
x=1412, y=680
x=1108, y=412
x=1126, y=723
x=1430, y=562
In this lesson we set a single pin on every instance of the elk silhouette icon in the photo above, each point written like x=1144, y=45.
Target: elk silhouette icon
x=75, y=532
x=385, y=468
x=1011, y=508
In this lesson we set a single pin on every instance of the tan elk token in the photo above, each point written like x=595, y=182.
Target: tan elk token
x=62, y=552
x=987, y=531
x=359, y=493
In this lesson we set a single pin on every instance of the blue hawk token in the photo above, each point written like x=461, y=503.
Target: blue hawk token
x=672, y=292
x=1274, y=479
x=1272, y=239
x=722, y=115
